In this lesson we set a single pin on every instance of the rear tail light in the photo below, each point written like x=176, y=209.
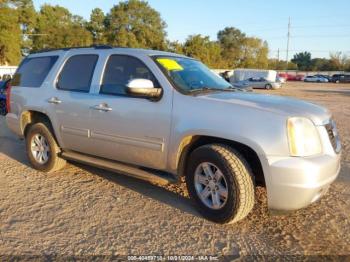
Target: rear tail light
x=8, y=97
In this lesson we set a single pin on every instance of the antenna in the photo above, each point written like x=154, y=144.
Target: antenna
x=288, y=39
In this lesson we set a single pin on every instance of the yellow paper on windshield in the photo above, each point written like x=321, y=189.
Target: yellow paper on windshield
x=170, y=64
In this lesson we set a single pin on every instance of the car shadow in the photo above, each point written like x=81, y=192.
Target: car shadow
x=14, y=148
x=158, y=193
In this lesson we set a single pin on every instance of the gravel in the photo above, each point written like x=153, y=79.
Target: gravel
x=84, y=211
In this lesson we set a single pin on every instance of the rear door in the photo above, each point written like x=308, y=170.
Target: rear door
x=69, y=101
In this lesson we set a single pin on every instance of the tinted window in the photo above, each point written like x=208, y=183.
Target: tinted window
x=120, y=70
x=77, y=73
x=33, y=71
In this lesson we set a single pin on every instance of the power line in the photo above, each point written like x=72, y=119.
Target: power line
x=34, y=34
x=288, y=39
x=328, y=25
x=308, y=50
x=309, y=36
x=270, y=29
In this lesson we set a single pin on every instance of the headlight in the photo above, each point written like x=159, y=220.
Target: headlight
x=303, y=137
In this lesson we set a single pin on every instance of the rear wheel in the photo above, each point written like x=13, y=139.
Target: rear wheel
x=42, y=149
x=219, y=181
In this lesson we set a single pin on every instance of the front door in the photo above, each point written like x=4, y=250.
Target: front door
x=125, y=128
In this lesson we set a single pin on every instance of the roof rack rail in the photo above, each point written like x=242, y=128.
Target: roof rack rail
x=69, y=48
x=102, y=46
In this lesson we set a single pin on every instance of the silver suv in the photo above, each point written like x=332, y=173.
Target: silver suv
x=160, y=116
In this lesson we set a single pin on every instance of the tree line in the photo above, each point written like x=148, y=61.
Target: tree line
x=131, y=23
x=337, y=62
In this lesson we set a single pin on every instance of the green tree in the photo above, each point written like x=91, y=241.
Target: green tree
x=292, y=66
x=26, y=14
x=275, y=64
x=254, y=53
x=97, y=27
x=347, y=65
x=337, y=61
x=201, y=48
x=26, y=19
x=135, y=23
x=10, y=36
x=303, y=60
x=231, y=40
x=320, y=64
x=175, y=47
x=56, y=27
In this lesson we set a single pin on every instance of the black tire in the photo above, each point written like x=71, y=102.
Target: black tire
x=240, y=197
x=268, y=86
x=54, y=162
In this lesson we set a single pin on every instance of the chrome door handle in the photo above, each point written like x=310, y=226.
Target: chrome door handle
x=54, y=100
x=102, y=107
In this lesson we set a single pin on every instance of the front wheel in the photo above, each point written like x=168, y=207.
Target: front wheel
x=268, y=86
x=42, y=149
x=220, y=181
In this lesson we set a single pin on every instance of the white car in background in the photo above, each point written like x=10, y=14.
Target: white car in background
x=259, y=82
x=317, y=79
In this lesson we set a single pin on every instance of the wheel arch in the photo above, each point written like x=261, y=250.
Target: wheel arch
x=30, y=117
x=190, y=143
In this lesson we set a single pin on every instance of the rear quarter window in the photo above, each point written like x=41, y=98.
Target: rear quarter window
x=33, y=71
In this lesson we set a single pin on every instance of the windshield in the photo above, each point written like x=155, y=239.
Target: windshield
x=191, y=75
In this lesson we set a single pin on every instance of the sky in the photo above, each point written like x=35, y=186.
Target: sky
x=320, y=27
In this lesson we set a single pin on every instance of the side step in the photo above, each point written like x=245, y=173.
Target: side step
x=151, y=176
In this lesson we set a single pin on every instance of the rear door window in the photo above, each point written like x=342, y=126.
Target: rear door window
x=33, y=71
x=77, y=73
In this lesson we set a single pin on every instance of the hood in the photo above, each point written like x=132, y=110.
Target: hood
x=282, y=105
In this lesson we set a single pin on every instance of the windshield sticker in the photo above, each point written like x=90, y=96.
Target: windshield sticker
x=170, y=64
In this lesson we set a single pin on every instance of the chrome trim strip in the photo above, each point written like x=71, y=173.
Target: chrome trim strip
x=154, y=145
x=75, y=131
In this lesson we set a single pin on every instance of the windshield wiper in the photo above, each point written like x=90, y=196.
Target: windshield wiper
x=210, y=89
x=231, y=88
x=203, y=89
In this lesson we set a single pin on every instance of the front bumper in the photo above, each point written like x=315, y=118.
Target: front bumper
x=295, y=182
x=276, y=85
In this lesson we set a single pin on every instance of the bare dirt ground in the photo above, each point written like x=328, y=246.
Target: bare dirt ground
x=86, y=211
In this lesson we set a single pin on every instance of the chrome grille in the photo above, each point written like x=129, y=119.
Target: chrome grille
x=333, y=135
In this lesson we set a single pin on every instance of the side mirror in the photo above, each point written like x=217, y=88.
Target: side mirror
x=143, y=88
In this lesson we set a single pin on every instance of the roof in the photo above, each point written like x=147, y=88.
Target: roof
x=106, y=47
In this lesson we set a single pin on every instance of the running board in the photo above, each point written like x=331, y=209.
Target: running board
x=151, y=176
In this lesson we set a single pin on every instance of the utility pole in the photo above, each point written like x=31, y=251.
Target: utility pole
x=278, y=58
x=288, y=39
